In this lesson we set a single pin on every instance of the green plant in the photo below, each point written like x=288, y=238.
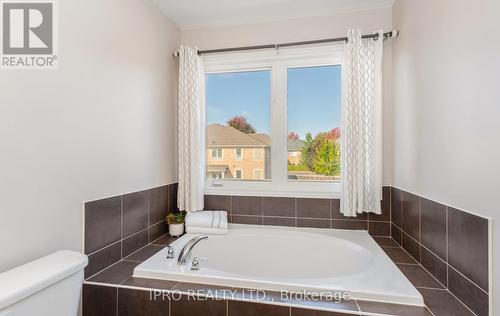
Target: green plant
x=297, y=168
x=176, y=218
x=327, y=158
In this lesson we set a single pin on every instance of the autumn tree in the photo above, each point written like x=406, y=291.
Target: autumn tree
x=334, y=134
x=293, y=136
x=240, y=123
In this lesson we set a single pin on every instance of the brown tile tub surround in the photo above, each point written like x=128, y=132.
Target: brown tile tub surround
x=300, y=212
x=450, y=244
x=115, y=292
x=118, y=226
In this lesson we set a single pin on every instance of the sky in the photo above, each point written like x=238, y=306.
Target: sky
x=314, y=98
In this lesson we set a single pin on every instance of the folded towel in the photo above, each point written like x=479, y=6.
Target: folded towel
x=209, y=222
x=206, y=230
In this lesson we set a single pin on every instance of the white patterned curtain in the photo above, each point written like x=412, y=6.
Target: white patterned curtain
x=361, y=164
x=190, y=130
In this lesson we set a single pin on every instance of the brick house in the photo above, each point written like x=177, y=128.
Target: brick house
x=232, y=154
x=295, y=151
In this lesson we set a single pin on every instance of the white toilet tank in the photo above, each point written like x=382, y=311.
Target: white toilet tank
x=49, y=286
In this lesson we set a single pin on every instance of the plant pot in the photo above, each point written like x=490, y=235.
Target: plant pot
x=176, y=230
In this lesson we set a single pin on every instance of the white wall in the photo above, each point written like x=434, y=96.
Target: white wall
x=307, y=29
x=446, y=104
x=102, y=124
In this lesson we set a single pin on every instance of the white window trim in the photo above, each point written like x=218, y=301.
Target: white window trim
x=236, y=155
x=217, y=156
x=262, y=150
x=261, y=173
x=236, y=172
x=277, y=62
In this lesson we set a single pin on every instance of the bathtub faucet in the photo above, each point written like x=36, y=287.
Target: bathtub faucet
x=188, y=247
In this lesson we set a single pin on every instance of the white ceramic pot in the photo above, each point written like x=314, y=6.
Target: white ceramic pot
x=176, y=230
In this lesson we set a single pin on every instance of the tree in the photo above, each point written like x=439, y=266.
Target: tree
x=240, y=123
x=334, y=133
x=293, y=136
x=327, y=157
x=306, y=153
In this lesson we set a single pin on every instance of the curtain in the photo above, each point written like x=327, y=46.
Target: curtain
x=190, y=130
x=361, y=162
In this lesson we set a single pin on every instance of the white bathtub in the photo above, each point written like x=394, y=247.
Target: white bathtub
x=292, y=259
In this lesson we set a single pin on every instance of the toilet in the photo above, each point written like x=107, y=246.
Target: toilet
x=49, y=286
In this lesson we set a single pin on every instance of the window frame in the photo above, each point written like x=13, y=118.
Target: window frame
x=261, y=151
x=236, y=173
x=236, y=157
x=261, y=173
x=217, y=155
x=277, y=62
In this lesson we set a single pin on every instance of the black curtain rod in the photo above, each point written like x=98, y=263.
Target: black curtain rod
x=374, y=36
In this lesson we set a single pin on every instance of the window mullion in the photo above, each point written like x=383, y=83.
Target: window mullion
x=278, y=118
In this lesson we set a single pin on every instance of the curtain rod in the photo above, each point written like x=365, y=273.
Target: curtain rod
x=390, y=34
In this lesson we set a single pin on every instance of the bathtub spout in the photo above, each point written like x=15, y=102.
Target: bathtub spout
x=188, y=247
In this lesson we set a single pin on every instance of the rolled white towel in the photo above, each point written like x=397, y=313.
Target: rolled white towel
x=207, y=219
x=206, y=230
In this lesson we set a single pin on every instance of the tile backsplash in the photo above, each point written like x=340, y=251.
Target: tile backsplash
x=451, y=244
x=117, y=226
x=299, y=212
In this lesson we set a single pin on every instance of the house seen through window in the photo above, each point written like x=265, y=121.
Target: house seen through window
x=238, y=114
x=295, y=107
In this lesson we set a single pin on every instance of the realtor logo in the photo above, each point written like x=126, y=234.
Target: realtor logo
x=28, y=34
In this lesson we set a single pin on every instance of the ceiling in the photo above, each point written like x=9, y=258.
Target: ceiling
x=189, y=14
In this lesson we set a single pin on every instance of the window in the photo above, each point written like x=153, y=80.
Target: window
x=258, y=174
x=258, y=154
x=239, y=174
x=217, y=153
x=239, y=153
x=239, y=117
x=283, y=110
x=313, y=103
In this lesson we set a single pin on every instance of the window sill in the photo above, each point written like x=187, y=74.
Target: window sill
x=222, y=190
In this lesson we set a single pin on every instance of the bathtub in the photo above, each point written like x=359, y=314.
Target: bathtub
x=309, y=260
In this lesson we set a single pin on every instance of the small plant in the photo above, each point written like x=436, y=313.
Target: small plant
x=176, y=218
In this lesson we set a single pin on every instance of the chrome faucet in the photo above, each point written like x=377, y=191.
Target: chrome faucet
x=170, y=252
x=188, y=247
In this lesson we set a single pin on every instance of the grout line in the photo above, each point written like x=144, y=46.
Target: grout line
x=427, y=271
x=420, y=228
x=125, y=259
x=295, y=211
x=135, y=234
x=94, y=252
x=357, y=305
x=407, y=264
x=130, y=277
x=111, y=265
x=121, y=227
x=447, y=249
x=431, y=288
x=117, y=293
x=464, y=276
x=430, y=311
x=467, y=307
x=448, y=265
x=134, y=261
x=149, y=216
